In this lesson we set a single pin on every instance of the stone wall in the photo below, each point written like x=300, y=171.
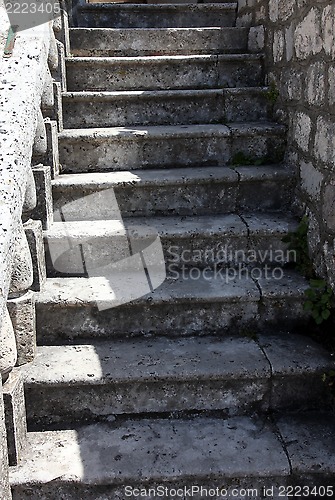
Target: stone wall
x=298, y=37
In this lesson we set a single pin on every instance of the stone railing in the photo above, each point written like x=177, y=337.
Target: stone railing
x=31, y=80
x=26, y=86
x=298, y=38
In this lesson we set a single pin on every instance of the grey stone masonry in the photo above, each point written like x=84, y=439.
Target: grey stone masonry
x=298, y=37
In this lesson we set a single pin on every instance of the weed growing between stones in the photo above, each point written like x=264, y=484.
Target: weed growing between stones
x=298, y=242
x=319, y=298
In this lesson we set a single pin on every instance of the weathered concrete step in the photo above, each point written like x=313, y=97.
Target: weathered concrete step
x=109, y=42
x=192, y=301
x=165, y=107
x=164, y=72
x=225, y=240
x=233, y=454
x=168, y=146
x=186, y=192
x=156, y=16
x=67, y=384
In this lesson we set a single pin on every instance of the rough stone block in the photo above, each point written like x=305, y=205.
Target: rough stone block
x=324, y=145
x=43, y=210
x=307, y=36
x=15, y=416
x=256, y=38
x=58, y=108
x=4, y=480
x=50, y=155
x=22, y=314
x=33, y=230
x=60, y=73
x=302, y=130
x=22, y=267
x=311, y=179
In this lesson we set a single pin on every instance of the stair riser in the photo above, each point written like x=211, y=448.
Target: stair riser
x=202, y=73
x=188, y=199
x=214, y=107
x=52, y=405
x=196, y=251
x=152, y=43
x=57, y=323
x=56, y=405
x=108, y=153
x=155, y=18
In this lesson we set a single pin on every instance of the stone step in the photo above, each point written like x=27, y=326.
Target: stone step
x=119, y=303
x=185, y=192
x=156, y=16
x=109, y=42
x=165, y=107
x=168, y=146
x=225, y=240
x=164, y=72
x=69, y=384
x=110, y=460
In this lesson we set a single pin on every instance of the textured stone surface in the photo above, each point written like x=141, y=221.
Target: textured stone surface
x=43, y=210
x=179, y=107
x=142, y=376
x=8, y=353
x=191, y=241
x=215, y=301
x=161, y=72
x=146, y=42
x=22, y=314
x=191, y=191
x=22, y=272
x=22, y=80
x=168, y=146
x=34, y=235
x=5, y=493
x=300, y=62
x=236, y=375
x=239, y=452
x=15, y=416
x=169, y=451
x=158, y=16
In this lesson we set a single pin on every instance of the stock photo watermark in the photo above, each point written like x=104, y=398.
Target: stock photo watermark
x=227, y=263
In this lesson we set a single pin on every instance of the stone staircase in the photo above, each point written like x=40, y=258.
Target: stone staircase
x=204, y=380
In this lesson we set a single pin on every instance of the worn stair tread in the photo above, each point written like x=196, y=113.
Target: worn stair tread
x=160, y=72
x=157, y=41
x=105, y=180
x=190, y=359
x=160, y=15
x=173, y=131
x=161, y=59
x=135, y=95
x=61, y=292
x=165, y=107
x=231, y=224
x=143, y=452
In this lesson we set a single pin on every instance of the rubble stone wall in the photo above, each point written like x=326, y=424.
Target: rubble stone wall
x=298, y=38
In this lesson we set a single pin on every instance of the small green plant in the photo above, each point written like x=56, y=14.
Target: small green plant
x=319, y=296
x=319, y=300
x=273, y=93
x=298, y=242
